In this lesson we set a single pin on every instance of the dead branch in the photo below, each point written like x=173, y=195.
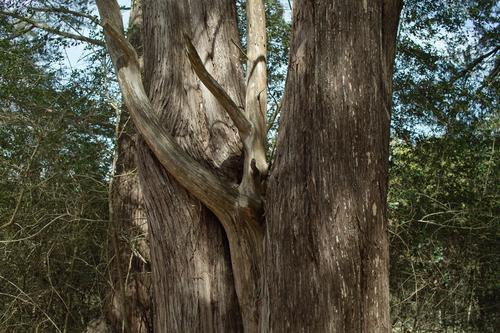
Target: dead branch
x=239, y=119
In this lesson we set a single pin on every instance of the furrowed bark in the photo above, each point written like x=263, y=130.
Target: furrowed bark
x=325, y=265
x=234, y=111
x=252, y=129
x=239, y=214
x=249, y=202
x=215, y=193
x=326, y=256
x=129, y=302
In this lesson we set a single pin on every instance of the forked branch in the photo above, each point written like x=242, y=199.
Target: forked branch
x=238, y=209
x=248, y=123
x=216, y=194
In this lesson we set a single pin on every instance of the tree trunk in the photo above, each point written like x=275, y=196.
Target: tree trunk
x=193, y=283
x=326, y=258
x=129, y=303
x=325, y=262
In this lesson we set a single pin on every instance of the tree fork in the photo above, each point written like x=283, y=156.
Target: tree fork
x=324, y=267
x=239, y=208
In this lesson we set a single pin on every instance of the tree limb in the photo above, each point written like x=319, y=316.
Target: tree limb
x=256, y=93
x=473, y=64
x=63, y=10
x=217, y=195
x=46, y=27
x=239, y=119
x=243, y=55
x=240, y=212
x=119, y=38
x=256, y=98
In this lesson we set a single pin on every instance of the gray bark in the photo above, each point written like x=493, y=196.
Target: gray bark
x=326, y=257
x=193, y=281
x=129, y=303
x=326, y=251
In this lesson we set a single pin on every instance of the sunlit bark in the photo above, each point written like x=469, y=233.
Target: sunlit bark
x=326, y=250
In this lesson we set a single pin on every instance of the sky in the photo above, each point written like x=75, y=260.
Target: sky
x=75, y=54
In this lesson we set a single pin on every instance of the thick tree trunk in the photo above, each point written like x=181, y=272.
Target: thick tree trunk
x=326, y=258
x=326, y=248
x=193, y=282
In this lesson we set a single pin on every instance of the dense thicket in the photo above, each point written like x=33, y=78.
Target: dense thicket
x=444, y=194
x=56, y=134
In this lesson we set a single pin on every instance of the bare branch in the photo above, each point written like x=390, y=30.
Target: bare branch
x=243, y=55
x=46, y=27
x=29, y=300
x=470, y=67
x=19, y=198
x=239, y=119
x=57, y=218
x=256, y=94
x=274, y=115
x=122, y=42
x=19, y=33
x=256, y=97
x=63, y=10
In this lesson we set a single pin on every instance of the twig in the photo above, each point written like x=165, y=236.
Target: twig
x=36, y=233
x=46, y=27
x=63, y=10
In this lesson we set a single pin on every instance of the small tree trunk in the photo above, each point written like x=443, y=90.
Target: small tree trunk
x=129, y=304
x=326, y=258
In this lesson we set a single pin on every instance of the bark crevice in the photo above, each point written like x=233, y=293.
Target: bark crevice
x=238, y=208
x=324, y=263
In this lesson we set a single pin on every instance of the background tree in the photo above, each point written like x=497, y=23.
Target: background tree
x=444, y=201
x=54, y=158
x=63, y=24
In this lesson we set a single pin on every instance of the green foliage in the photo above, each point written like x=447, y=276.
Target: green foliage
x=447, y=66
x=444, y=204
x=444, y=196
x=54, y=164
x=278, y=45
